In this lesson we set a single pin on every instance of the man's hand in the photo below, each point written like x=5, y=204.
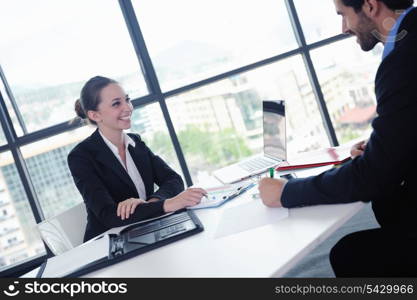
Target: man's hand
x=358, y=149
x=189, y=197
x=128, y=207
x=270, y=191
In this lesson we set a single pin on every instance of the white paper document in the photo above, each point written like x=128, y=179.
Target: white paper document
x=76, y=258
x=247, y=216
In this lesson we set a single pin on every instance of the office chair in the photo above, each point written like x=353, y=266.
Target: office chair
x=65, y=230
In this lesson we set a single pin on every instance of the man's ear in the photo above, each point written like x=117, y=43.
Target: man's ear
x=94, y=115
x=371, y=8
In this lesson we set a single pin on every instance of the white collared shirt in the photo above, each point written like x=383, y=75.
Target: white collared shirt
x=130, y=164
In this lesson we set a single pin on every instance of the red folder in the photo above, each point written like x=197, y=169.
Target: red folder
x=318, y=158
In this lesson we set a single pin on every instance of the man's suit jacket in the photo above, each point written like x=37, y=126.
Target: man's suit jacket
x=386, y=173
x=103, y=182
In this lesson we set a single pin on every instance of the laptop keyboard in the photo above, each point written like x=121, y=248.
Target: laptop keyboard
x=257, y=163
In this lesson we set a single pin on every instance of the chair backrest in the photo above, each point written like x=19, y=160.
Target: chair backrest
x=66, y=230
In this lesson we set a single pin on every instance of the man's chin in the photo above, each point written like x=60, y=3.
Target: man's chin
x=366, y=46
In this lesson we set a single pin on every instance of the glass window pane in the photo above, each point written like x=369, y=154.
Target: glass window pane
x=55, y=46
x=48, y=168
x=149, y=122
x=191, y=40
x=2, y=137
x=221, y=123
x=12, y=114
x=346, y=75
x=318, y=19
x=19, y=239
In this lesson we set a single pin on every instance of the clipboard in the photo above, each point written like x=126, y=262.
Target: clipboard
x=217, y=196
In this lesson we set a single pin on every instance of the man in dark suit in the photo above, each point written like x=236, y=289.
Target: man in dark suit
x=383, y=170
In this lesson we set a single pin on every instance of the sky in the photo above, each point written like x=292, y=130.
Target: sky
x=48, y=42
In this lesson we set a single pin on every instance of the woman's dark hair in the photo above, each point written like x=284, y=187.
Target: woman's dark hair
x=391, y=4
x=90, y=96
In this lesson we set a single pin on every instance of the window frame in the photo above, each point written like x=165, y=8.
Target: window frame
x=14, y=142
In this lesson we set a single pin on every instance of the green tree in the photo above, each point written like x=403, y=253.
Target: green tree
x=213, y=148
x=202, y=149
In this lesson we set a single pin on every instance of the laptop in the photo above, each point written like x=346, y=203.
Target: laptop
x=274, y=147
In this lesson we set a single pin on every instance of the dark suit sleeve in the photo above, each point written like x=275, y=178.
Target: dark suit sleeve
x=169, y=182
x=391, y=150
x=98, y=199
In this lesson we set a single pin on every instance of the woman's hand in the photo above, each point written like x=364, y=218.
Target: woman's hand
x=127, y=207
x=189, y=197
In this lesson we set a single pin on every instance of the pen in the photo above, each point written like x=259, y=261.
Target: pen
x=271, y=172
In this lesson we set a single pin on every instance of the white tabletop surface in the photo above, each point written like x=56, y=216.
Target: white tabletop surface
x=265, y=251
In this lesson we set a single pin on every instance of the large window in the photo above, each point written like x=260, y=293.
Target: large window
x=199, y=39
x=55, y=46
x=19, y=239
x=222, y=123
x=318, y=19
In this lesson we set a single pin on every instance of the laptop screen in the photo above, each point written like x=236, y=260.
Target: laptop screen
x=274, y=129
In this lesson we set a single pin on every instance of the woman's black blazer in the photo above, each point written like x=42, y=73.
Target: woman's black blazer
x=103, y=182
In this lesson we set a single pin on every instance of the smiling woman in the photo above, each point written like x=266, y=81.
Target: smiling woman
x=116, y=172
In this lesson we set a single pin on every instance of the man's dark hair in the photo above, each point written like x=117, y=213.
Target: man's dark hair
x=391, y=4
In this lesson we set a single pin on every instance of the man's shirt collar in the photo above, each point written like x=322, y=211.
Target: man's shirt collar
x=392, y=36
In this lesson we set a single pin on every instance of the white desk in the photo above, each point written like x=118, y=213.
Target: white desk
x=267, y=251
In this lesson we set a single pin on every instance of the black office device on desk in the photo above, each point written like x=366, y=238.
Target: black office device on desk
x=130, y=241
x=154, y=234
